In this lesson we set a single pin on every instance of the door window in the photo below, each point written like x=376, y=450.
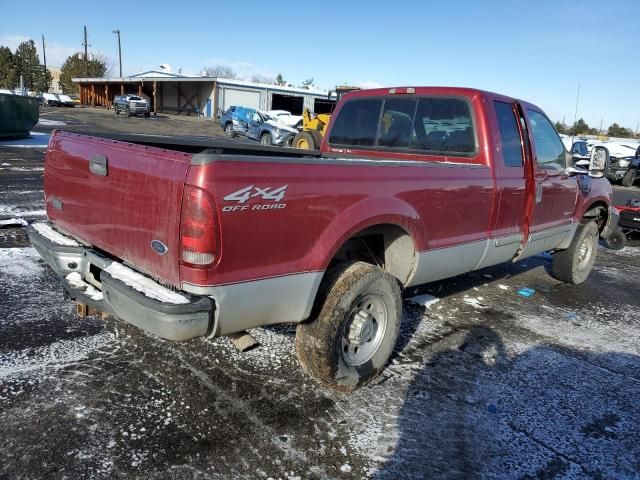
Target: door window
x=549, y=148
x=509, y=134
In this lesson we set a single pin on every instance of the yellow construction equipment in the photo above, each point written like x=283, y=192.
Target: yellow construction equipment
x=314, y=126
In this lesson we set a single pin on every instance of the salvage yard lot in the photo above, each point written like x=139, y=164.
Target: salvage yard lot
x=484, y=382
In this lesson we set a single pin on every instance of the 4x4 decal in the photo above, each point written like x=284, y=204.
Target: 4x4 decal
x=275, y=194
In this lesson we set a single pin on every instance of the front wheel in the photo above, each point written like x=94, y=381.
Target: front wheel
x=228, y=130
x=355, y=329
x=629, y=178
x=115, y=109
x=265, y=139
x=304, y=141
x=574, y=264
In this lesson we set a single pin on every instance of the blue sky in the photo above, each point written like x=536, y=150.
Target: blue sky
x=538, y=51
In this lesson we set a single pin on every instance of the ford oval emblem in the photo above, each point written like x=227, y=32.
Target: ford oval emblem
x=159, y=247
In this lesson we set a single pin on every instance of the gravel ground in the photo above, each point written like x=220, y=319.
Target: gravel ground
x=484, y=382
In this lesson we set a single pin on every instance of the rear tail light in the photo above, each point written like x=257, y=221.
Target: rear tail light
x=199, y=233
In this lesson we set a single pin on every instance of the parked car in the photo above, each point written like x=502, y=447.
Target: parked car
x=622, y=159
x=256, y=125
x=49, y=100
x=411, y=185
x=131, y=105
x=66, y=101
x=283, y=116
x=6, y=92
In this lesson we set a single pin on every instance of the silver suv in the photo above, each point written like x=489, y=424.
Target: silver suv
x=131, y=105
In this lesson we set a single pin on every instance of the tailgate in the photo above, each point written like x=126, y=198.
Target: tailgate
x=119, y=197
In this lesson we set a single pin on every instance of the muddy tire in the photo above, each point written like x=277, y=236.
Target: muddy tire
x=128, y=112
x=574, y=264
x=228, y=130
x=354, y=327
x=117, y=110
x=617, y=240
x=629, y=178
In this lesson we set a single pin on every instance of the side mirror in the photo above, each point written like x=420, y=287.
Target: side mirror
x=598, y=162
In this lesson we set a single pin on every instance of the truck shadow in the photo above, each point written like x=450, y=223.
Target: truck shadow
x=466, y=283
x=477, y=410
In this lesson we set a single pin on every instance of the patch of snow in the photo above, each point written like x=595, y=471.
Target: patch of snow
x=37, y=140
x=50, y=123
x=50, y=234
x=23, y=363
x=346, y=468
x=504, y=287
x=475, y=302
x=13, y=222
x=425, y=300
x=76, y=281
x=14, y=211
x=5, y=164
x=144, y=285
x=20, y=262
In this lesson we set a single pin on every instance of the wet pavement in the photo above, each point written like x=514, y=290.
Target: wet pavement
x=484, y=382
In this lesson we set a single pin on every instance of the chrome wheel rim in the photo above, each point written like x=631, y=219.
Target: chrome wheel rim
x=364, y=329
x=584, y=253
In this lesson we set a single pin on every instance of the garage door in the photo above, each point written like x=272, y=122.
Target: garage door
x=240, y=98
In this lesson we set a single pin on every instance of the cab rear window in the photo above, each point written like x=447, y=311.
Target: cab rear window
x=437, y=125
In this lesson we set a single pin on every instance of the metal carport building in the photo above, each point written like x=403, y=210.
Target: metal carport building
x=202, y=96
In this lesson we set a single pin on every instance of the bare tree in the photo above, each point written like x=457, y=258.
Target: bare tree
x=220, y=71
x=262, y=79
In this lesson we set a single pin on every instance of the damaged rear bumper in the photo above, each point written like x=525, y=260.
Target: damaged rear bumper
x=166, y=320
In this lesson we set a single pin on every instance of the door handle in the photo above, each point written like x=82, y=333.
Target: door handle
x=98, y=165
x=538, y=192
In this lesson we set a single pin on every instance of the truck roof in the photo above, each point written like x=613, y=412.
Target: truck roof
x=425, y=90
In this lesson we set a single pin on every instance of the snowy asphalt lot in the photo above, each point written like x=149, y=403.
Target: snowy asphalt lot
x=484, y=383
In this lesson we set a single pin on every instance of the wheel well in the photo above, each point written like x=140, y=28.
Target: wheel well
x=599, y=211
x=388, y=246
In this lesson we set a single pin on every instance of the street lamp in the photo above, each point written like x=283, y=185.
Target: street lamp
x=117, y=32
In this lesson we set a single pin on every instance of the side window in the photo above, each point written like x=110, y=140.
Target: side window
x=396, y=123
x=549, y=148
x=443, y=125
x=357, y=123
x=509, y=134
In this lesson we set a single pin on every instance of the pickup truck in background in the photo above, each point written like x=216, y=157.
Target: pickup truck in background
x=131, y=105
x=186, y=238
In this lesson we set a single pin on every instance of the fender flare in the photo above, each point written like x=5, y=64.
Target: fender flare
x=364, y=214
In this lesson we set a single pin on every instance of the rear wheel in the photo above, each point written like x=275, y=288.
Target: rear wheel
x=304, y=141
x=128, y=110
x=574, y=264
x=355, y=329
x=629, y=178
x=265, y=139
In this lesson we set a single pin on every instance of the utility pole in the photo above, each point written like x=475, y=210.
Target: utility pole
x=575, y=115
x=44, y=58
x=117, y=32
x=600, y=129
x=86, y=45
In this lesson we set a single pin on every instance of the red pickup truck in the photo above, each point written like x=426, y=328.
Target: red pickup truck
x=190, y=237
